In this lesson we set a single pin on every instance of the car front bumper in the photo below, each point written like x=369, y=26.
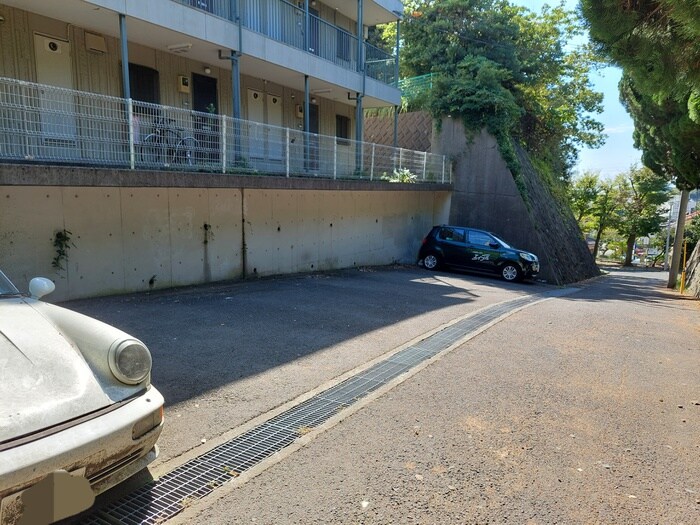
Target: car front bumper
x=105, y=449
x=529, y=268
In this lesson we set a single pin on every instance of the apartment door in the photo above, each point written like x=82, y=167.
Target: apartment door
x=312, y=162
x=314, y=31
x=204, y=93
x=206, y=127
x=256, y=129
x=57, y=108
x=276, y=135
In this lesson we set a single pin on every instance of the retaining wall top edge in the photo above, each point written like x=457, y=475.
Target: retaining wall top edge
x=47, y=175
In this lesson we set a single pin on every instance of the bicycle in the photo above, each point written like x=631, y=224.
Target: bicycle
x=168, y=145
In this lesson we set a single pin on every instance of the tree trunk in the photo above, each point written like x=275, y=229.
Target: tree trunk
x=630, y=250
x=596, y=246
x=678, y=241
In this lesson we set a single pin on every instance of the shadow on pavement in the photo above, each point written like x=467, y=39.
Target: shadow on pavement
x=207, y=336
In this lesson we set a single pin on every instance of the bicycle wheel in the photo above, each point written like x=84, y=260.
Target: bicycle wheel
x=152, y=151
x=186, y=150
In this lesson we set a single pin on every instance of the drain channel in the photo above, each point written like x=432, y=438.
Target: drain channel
x=162, y=499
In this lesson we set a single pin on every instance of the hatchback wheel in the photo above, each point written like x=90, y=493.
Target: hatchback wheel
x=431, y=261
x=511, y=272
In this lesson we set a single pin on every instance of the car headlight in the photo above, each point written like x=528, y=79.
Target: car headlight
x=528, y=256
x=130, y=361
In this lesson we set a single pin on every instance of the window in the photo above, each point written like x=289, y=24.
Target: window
x=342, y=129
x=451, y=234
x=144, y=84
x=480, y=239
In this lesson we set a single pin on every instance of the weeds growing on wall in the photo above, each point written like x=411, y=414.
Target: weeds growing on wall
x=62, y=244
x=400, y=175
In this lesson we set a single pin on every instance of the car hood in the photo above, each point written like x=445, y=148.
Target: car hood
x=44, y=379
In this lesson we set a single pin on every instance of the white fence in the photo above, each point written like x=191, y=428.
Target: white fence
x=54, y=125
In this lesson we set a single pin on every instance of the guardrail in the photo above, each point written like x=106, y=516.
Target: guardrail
x=285, y=22
x=54, y=125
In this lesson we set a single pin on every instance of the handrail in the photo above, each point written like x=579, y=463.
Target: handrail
x=40, y=123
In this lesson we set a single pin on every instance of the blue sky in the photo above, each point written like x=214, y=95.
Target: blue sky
x=618, y=153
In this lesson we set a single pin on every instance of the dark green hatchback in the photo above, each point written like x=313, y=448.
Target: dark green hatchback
x=476, y=250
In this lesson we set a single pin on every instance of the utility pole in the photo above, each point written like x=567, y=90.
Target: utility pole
x=678, y=241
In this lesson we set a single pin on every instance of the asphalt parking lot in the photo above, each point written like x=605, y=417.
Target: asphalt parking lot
x=225, y=353
x=582, y=407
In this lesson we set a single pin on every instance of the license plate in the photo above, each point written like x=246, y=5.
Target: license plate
x=59, y=495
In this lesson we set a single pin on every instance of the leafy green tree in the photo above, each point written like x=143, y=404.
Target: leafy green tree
x=558, y=98
x=504, y=68
x=657, y=241
x=657, y=43
x=594, y=203
x=605, y=207
x=642, y=194
x=582, y=196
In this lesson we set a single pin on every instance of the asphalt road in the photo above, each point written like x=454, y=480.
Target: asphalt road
x=579, y=409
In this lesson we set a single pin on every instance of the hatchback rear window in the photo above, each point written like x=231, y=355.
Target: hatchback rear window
x=451, y=234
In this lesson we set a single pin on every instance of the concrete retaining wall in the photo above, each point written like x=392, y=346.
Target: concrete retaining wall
x=487, y=197
x=125, y=239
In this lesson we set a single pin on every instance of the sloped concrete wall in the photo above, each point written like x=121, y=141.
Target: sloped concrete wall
x=126, y=239
x=692, y=275
x=485, y=196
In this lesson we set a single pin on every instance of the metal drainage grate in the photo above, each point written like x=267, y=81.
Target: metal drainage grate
x=164, y=498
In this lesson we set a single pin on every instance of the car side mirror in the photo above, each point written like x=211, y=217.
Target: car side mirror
x=40, y=286
x=494, y=245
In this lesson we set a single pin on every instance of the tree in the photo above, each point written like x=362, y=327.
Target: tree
x=670, y=142
x=605, y=206
x=657, y=43
x=558, y=97
x=642, y=193
x=582, y=195
x=503, y=68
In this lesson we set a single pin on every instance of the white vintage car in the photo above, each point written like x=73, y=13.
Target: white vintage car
x=77, y=411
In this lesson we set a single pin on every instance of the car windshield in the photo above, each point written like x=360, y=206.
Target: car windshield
x=7, y=289
x=504, y=243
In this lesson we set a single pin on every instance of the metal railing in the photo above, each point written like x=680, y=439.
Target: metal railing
x=380, y=65
x=54, y=125
x=413, y=88
x=285, y=22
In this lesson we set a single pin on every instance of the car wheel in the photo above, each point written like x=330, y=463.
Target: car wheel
x=431, y=261
x=511, y=272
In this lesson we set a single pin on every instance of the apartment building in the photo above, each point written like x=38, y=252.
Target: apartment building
x=154, y=143
x=302, y=66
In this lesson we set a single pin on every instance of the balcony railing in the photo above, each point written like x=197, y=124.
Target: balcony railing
x=285, y=22
x=380, y=65
x=54, y=125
